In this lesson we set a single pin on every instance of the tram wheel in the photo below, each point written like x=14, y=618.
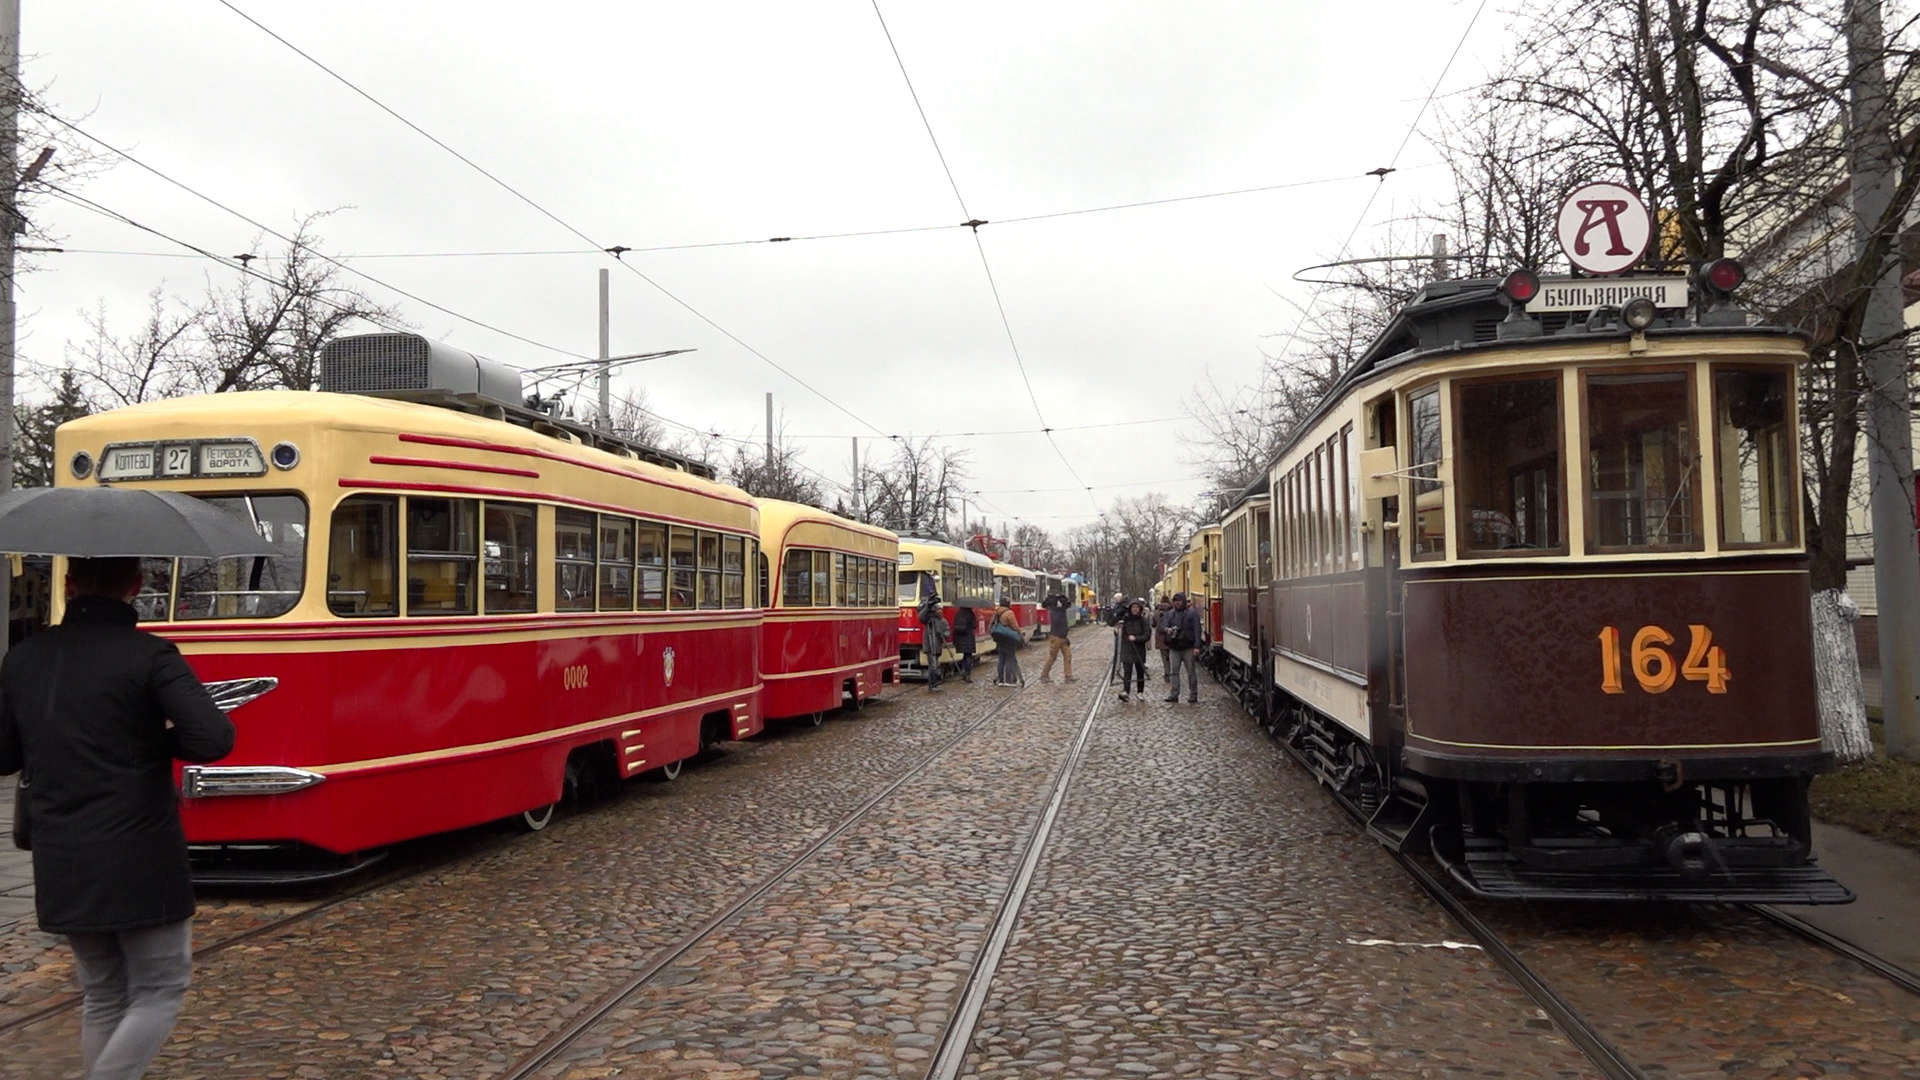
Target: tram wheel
x=817, y=718
x=671, y=771
x=537, y=818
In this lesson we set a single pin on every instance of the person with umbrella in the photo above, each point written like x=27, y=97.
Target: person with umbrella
x=93, y=712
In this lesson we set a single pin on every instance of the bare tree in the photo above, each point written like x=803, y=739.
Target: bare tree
x=917, y=489
x=634, y=421
x=780, y=475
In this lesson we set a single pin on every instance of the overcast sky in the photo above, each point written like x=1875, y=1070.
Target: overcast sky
x=649, y=124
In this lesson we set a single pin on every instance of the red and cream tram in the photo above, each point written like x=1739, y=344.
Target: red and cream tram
x=961, y=578
x=1018, y=588
x=829, y=632
x=469, y=617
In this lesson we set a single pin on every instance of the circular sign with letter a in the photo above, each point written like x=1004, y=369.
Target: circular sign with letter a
x=1604, y=228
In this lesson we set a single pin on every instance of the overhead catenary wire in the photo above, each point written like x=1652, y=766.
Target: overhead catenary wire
x=294, y=243
x=556, y=219
x=986, y=265
x=1392, y=165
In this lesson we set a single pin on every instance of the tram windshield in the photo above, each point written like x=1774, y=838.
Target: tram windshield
x=253, y=587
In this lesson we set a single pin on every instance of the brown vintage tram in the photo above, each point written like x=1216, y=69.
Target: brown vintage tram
x=1536, y=597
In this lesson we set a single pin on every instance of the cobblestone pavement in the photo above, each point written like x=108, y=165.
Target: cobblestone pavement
x=1715, y=991
x=854, y=964
x=451, y=973
x=1204, y=910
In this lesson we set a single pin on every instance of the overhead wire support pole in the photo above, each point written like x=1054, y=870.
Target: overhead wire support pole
x=10, y=228
x=606, y=367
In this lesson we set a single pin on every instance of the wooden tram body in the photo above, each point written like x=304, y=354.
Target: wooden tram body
x=470, y=617
x=829, y=632
x=1537, y=600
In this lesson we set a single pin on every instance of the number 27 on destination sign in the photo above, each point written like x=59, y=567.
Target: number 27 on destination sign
x=1653, y=666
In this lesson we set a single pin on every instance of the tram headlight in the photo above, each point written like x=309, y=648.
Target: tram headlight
x=81, y=464
x=285, y=455
x=1638, y=313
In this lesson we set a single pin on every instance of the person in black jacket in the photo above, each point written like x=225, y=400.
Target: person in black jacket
x=1136, y=631
x=966, y=624
x=96, y=710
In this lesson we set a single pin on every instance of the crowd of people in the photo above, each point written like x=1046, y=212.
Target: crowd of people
x=1173, y=626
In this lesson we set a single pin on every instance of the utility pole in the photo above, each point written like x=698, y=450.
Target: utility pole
x=769, y=432
x=606, y=365
x=1896, y=555
x=10, y=222
x=856, y=479
x=1441, y=271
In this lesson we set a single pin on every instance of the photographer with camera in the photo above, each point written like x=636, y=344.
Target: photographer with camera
x=1180, y=628
x=1057, y=643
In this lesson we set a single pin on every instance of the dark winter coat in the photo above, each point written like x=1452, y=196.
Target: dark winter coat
x=966, y=623
x=1058, y=624
x=84, y=707
x=1160, y=625
x=1177, y=619
x=1136, y=633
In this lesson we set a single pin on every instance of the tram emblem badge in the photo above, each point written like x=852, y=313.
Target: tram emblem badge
x=666, y=665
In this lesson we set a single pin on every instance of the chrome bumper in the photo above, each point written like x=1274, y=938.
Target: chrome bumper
x=208, y=781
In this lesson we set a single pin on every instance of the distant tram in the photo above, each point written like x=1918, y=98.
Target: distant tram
x=829, y=634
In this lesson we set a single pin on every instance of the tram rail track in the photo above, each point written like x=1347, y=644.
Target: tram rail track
x=556, y=1043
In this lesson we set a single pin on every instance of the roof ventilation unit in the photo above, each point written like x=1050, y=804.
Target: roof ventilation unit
x=411, y=368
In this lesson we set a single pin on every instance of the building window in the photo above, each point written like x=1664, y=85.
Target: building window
x=1641, y=459
x=1423, y=455
x=362, y=558
x=508, y=539
x=681, y=568
x=573, y=560
x=733, y=572
x=1754, y=438
x=443, y=544
x=1508, y=469
x=650, y=552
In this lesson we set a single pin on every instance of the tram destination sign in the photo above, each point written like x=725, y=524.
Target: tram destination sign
x=1585, y=294
x=181, y=458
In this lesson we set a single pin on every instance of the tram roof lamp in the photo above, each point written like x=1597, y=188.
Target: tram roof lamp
x=1520, y=286
x=1638, y=313
x=1723, y=275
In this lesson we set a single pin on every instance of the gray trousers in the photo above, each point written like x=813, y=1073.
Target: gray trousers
x=1189, y=659
x=132, y=983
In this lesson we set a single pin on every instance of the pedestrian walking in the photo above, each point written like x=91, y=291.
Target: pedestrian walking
x=933, y=639
x=966, y=624
x=1160, y=612
x=1181, y=629
x=1136, y=630
x=1007, y=641
x=1057, y=643
x=95, y=711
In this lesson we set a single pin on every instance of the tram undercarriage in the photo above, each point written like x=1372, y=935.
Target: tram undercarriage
x=1667, y=838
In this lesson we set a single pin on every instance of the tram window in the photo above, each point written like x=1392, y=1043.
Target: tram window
x=681, y=568
x=362, y=550
x=796, y=579
x=650, y=552
x=733, y=572
x=1641, y=459
x=1429, y=498
x=1507, y=464
x=248, y=588
x=616, y=563
x=442, y=549
x=1350, y=468
x=709, y=570
x=1263, y=540
x=1755, y=446
x=840, y=582
x=822, y=581
x=858, y=567
x=573, y=536
x=909, y=588
x=156, y=590
x=766, y=583
x=507, y=538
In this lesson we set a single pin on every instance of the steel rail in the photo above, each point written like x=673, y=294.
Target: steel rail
x=556, y=1043
x=1904, y=978
x=1606, y=1057
x=957, y=1041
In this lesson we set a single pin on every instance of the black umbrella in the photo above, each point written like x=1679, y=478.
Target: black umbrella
x=106, y=522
